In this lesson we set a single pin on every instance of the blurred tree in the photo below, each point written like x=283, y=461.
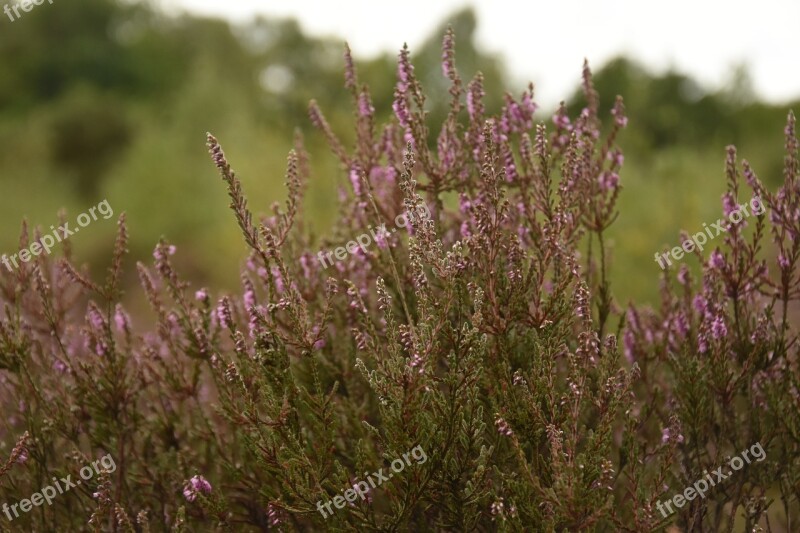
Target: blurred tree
x=673, y=109
x=59, y=46
x=88, y=132
x=295, y=68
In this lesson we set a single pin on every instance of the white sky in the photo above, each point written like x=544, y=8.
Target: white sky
x=546, y=41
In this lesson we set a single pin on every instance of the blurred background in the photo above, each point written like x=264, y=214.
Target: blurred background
x=112, y=99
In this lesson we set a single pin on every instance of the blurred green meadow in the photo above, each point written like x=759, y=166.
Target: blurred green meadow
x=100, y=99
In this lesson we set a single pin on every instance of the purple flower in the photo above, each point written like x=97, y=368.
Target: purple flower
x=683, y=275
x=249, y=298
x=503, y=428
x=582, y=300
x=390, y=175
x=618, y=112
x=628, y=343
x=158, y=253
x=195, y=486
x=305, y=264
x=609, y=180
x=702, y=342
x=728, y=204
x=464, y=204
x=528, y=106
x=475, y=96
x=681, y=324
x=505, y=119
x=417, y=362
x=274, y=515
x=447, y=144
x=380, y=239
x=350, y=69
x=95, y=319
x=718, y=329
x=716, y=261
x=121, y=319
x=400, y=108
x=497, y=508
x=510, y=167
x=365, y=108
x=201, y=296
x=666, y=435
x=276, y=275
x=561, y=120
x=517, y=117
x=616, y=158
x=408, y=138
x=464, y=230
x=223, y=313
x=355, y=180
x=700, y=304
x=174, y=323
x=405, y=71
x=255, y=323
x=448, y=66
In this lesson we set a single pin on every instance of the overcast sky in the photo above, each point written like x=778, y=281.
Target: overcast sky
x=545, y=42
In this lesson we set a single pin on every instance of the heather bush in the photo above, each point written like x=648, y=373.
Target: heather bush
x=485, y=335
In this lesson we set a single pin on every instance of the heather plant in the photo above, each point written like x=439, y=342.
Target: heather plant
x=720, y=359
x=485, y=335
